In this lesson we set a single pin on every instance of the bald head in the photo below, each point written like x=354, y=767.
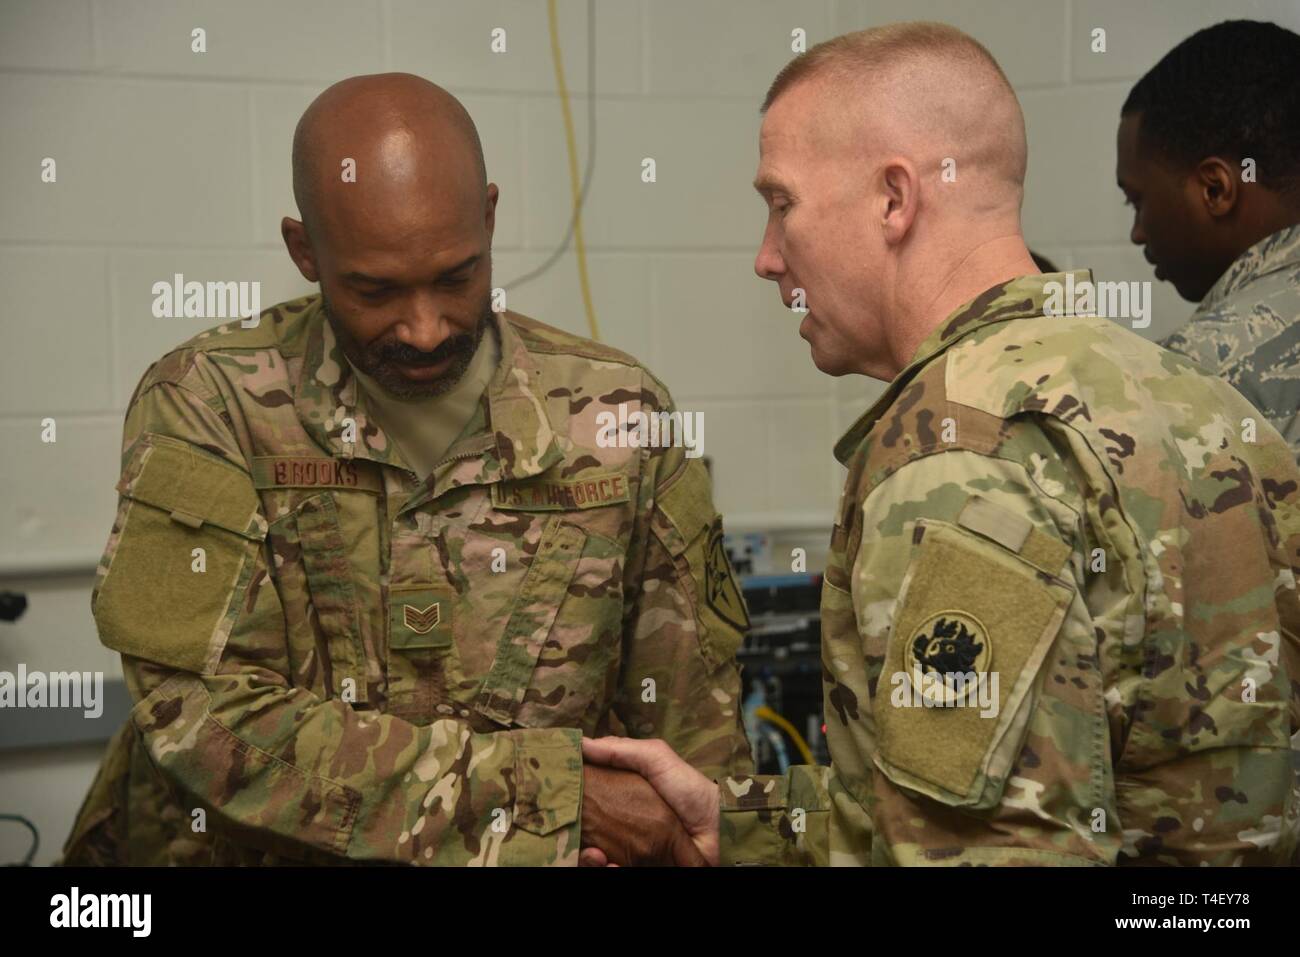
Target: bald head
x=406, y=136
x=397, y=224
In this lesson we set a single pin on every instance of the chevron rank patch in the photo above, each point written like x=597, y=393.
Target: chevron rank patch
x=419, y=616
x=422, y=620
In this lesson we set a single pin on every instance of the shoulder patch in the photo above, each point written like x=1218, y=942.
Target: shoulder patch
x=720, y=590
x=973, y=624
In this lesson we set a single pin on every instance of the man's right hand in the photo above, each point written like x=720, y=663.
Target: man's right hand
x=625, y=818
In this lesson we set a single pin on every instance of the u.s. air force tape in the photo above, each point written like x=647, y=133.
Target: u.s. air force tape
x=561, y=495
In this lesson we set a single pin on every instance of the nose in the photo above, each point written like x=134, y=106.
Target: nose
x=769, y=264
x=425, y=327
x=1137, y=235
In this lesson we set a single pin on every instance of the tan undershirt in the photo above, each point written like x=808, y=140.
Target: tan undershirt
x=424, y=429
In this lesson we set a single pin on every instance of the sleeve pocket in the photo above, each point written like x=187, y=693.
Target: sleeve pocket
x=548, y=776
x=966, y=607
x=181, y=555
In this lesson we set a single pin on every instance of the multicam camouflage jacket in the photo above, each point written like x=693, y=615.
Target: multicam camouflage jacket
x=335, y=660
x=1086, y=529
x=1247, y=329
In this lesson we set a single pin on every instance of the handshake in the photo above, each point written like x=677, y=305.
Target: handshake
x=642, y=804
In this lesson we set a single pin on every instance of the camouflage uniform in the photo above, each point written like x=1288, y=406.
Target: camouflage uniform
x=378, y=668
x=1247, y=329
x=1077, y=505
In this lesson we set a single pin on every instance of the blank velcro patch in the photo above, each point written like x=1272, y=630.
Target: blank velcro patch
x=176, y=575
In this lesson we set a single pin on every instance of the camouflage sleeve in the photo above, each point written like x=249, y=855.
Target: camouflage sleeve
x=679, y=680
x=1275, y=392
x=780, y=819
x=1198, y=341
x=1221, y=341
x=1062, y=735
x=186, y=592
x=964, y=568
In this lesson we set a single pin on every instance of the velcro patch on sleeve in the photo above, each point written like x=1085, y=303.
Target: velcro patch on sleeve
x=199, y=487
x=973, y=625
x=177, y=572
x=688, y=501
x=1014, y=532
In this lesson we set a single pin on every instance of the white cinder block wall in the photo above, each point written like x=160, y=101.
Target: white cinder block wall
x=173, y=161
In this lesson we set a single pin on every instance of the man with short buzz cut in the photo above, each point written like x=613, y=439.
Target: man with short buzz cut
x=374, y=573
x=1209, y=159
x=1060, y=622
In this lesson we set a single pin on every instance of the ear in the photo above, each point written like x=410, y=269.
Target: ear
x=1217, y=186
x=490, y=220
x=899, y=198
x=299, y=246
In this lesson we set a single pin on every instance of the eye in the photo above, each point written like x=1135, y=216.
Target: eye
x=376, y=295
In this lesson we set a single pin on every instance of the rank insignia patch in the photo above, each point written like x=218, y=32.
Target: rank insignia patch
x=422, y=620
x=720, y=589
x=420, y=616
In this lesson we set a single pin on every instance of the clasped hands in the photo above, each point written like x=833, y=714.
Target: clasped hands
x=642, y=804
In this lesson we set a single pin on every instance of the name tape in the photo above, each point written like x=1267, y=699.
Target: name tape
x=288, y=471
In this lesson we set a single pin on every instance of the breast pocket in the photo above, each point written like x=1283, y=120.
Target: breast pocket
x=556, y=653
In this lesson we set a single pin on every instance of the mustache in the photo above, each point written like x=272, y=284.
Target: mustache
x=407, y=355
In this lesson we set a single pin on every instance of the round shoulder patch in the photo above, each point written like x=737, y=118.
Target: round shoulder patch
x=944, y=646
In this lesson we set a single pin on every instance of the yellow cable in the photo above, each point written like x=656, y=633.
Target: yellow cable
x=767, y=714
x=578, y=244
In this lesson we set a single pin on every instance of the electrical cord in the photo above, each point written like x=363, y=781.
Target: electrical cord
x=771, y=717
x=574, y=230
x=36, y=838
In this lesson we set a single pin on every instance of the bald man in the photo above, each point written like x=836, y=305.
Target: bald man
x=374, y=573
x=1059, y=620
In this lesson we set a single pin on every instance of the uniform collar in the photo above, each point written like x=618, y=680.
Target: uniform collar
x=510, y=437
x=1020, y=298
x=1281, y=250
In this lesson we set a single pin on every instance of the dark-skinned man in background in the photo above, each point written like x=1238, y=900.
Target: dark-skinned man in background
x=1209, y=158
x=425, y=578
